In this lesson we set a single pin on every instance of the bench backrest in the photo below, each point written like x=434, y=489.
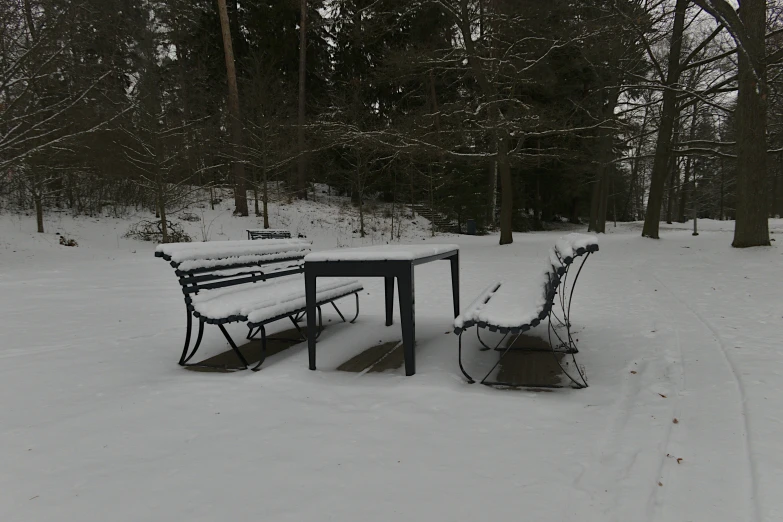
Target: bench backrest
x=565, y=251
x=268, y=234
x=220, y=264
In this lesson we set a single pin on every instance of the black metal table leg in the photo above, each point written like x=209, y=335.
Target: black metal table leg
x=389, y=269
x=455, y=282
x=408, y=318
x=312, y=328
x=389, y=287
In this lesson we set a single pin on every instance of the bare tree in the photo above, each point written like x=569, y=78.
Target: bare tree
x=301, y=166
x=240, y=191
x=42, y=108
x=747, y=27
x=664, y=147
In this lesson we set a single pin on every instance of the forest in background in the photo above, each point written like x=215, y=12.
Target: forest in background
x=510, y=112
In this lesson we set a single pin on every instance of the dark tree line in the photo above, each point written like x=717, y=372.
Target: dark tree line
x=510, y=112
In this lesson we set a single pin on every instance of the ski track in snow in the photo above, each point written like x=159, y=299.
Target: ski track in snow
x=620, y=450
x=750, y=471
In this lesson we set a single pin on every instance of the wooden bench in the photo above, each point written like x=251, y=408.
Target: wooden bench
x=511, y=311
x=255, y=282
x=268, y=233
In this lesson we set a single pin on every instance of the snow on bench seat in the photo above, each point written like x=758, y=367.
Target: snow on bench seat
x=381, y=253
x=259, y=303
x=507, y=306
x=511, y=307
x=192, y=256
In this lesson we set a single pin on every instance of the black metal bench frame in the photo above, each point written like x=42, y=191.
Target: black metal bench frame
x=201, y=279
x=559, y=291
x=268, y=234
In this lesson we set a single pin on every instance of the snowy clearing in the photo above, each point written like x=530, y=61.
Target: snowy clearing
x=99, y=423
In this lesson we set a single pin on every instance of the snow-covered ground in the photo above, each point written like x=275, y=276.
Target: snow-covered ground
x=97, y=421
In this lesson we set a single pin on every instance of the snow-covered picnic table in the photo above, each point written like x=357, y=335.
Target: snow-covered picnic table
x=389, y=262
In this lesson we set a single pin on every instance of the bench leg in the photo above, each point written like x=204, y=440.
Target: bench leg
x=233, y=345
x=187, y=338
x=298, y=329
x=389, y=294
x=357, y=308
x=485, y=346
x=338, y=312
x=263, y=349
x=569, y=344
x=341, y=314
x=198, y=343
x=462, y=368
x=185, y=357
x=407, y=318
x=251, y=334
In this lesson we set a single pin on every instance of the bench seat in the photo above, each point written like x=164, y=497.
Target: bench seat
x=506, y=308
x=259, y=303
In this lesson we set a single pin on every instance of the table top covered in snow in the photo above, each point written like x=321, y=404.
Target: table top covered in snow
x=381, y=253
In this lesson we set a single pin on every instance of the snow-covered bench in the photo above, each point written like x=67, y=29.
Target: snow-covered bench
x=510, y=310
x=268, y=233
x=255, y=282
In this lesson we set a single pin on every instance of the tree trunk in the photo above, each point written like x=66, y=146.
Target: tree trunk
x=301, y=166
x=489, y=91
x=492, y=189
x=773, y=200
x=722, y=187
x=752, y=226
x=28, y=13
x=506, y=192
x=255, y=191
x=359, y=193
x=38, y=210
x=633, y=185
x=614, y=205
x=164, y=226
x=681, y=217
x=686, y=180
x=663, y=148
x=779, y=194
x=573, y=215
x=265, y=189
x=603, y=203
x=413, y=194
x=240, y=192
x=595, y=200
x=394, y=200
x=432, y=201
x=672, y=184
x=598, y=206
